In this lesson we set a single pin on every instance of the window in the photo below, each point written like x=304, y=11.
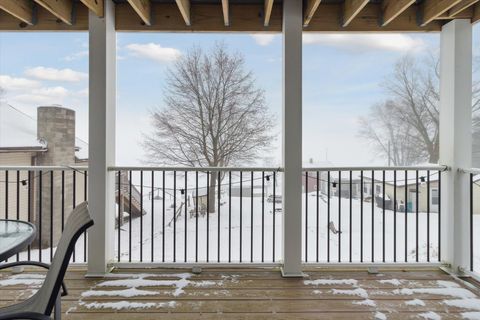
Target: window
x=378, y=189
x=434, y=197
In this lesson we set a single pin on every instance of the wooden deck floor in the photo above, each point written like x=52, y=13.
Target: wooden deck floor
x=254, y=294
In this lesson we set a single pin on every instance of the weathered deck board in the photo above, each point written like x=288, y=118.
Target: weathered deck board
x=253, y=294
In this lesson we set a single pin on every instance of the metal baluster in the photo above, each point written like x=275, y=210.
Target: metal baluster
x=306, y=216
x=373, y=215
x=120, y=213
x=406, y=215
x=273, y=217
x=29, y=209
x=163, y=216
x=361, y=216
x=263, y=214
x=383, y=215
x=251, y=217
x=130, y=216
x=174, y=216
x=208, y=214
x=350, y=221
x=186, y=218
x=394, y=216
x=318, y=216
x=229, y=216
x=218, y=217
x=85, y=234
x=328, y=216
x=141, y=216
x=428, y=216
x=439, y=214
x=152, y=230
x=241, y=213
x=471, y=221
x=18, y=202
x=51, y=215
x=416, y=215
x=339, y=216
x=196, y=216
x=40, y=211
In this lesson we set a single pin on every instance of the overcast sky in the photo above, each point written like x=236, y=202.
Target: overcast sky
x=342, y=77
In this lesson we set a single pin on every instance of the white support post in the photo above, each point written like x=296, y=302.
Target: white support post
x=101, y=183
x=456, y=140
x=292, y=138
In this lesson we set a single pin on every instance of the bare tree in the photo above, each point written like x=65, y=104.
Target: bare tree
x=214, y=114
x=409, y=120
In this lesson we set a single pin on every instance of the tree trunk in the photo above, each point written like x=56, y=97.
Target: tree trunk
x=211, y=193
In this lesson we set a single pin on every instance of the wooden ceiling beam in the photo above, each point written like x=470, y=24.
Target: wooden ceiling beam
x=268, y=12
x=226, y=13
x=20, y=9
x=142, y=8
x=432, y=9
x=465, y=4
x=60, y=9
x=97, y=6
x=464, y=14
x=351, y=9
x=312, y=6
x=476, y=13
x=393, y=8
x=184, y=7
x=326, y=20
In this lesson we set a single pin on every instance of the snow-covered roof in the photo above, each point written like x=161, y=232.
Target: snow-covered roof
x=19, y=130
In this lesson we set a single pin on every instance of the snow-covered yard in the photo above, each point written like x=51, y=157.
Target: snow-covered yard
x=265, y=235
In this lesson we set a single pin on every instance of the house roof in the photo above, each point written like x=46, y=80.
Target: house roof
x=18, y=132
x=238, y=15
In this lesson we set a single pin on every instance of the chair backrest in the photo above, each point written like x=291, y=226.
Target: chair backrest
x=78, y=221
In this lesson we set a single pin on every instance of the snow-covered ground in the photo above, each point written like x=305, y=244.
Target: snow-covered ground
x=230, y=233
x=233, y=223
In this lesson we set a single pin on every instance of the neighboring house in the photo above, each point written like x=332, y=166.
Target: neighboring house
x=310, y=183
x=426, y=200
x=48, y=140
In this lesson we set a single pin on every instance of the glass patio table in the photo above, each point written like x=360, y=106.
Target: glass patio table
x=14, y=236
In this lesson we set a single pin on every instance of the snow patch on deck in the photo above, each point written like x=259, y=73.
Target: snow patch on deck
x=28, y=279
x=430, y=315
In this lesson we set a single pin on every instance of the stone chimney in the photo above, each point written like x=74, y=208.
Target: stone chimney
x=55, y=128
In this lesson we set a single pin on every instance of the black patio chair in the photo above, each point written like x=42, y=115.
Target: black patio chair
x=48, y=297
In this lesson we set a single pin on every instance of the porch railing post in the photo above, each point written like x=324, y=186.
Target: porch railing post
x=456, y=139
x=292, y=138
x=101, y=183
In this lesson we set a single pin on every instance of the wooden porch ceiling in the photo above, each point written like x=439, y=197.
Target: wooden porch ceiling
x=237, y=15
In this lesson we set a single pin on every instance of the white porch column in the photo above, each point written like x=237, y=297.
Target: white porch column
x=101, y=183
x=456, y=139
x=292, y=137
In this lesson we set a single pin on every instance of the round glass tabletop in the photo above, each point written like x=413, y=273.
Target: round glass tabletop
x=14, y=236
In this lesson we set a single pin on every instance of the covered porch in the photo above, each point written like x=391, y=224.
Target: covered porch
x=257, y=256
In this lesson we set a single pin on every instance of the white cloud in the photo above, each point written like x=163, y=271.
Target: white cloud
x=363, y=42
x=263, y=39
x=76, y=56
x=53, y=74
x=45, y=95
x=9, y=83
x=154, y=51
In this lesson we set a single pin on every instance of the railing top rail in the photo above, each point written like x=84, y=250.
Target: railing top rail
x=204, y=169
x=245, y=169
x=432, y=167
x=43, y=168
x=471, y=170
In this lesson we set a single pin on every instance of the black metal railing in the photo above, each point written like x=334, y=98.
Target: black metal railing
x=372, y=214
x=43, y=196
x=474, y=230
x=191, y=215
